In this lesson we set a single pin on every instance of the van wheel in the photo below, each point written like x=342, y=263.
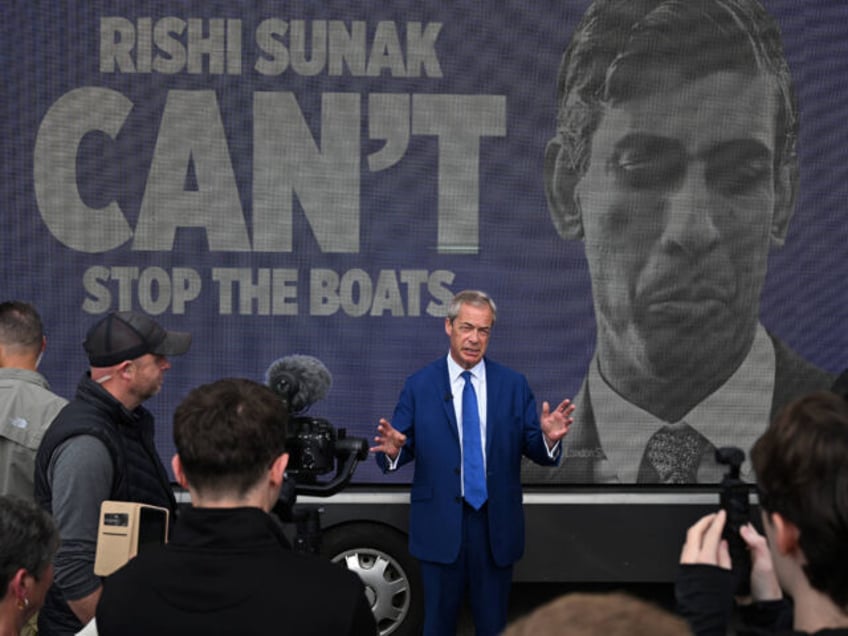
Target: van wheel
x=380, y=557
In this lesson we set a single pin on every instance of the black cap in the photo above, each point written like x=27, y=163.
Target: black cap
x=126, y=335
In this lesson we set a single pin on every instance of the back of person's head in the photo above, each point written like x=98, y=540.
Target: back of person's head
x=28, y=540
x=615, y=614
x=228, y=433
x=801, y=463
x=20, y=327
x=625, y=49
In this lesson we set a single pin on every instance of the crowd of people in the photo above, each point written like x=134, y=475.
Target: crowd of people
x=675, y=162
x=227, y=566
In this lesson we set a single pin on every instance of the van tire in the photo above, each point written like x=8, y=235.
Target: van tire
x=379, y=555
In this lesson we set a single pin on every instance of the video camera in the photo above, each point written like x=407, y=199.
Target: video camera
x=734, y=499
x=315, y=447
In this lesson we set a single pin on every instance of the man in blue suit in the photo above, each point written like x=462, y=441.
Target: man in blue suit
x=467, y=421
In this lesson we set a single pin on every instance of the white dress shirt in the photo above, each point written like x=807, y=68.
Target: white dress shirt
x=734, y=415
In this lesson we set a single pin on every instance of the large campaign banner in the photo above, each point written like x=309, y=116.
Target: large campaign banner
x=321, y=177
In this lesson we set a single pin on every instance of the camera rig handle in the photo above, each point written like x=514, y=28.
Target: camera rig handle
x=349, y=451
x=733, y=498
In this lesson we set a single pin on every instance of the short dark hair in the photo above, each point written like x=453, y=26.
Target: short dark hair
x=802, y=474
x=20, y=325
x=28, y=539
x=228, y=433
x=617, y=41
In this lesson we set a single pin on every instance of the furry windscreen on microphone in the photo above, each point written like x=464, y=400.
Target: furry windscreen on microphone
x=300, y=380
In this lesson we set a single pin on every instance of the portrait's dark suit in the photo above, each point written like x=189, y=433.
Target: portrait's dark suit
x=793, y=377
x=425, y=414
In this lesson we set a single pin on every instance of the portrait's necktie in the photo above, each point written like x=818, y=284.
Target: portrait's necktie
x=474, y=472
x=673, y=455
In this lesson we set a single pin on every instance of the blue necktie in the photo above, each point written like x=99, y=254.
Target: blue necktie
x=474, y=474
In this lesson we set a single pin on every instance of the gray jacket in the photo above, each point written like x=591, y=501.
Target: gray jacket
x=27, y=406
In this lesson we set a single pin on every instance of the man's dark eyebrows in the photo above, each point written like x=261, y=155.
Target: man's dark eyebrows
x=745, y=148
x=647, y=142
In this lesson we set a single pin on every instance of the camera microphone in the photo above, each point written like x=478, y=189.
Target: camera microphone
x=315, y=447
x=300, y=380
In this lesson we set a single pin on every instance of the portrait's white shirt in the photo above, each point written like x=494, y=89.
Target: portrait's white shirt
x=736, y=414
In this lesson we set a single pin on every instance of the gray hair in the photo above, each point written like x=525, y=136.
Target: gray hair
x=473, y=297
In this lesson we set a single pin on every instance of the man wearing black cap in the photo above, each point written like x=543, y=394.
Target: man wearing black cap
x=100, y=447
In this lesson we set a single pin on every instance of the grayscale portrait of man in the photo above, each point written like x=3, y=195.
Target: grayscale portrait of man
x=675, y=164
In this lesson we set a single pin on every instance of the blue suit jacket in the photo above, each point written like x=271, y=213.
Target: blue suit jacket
x=425, y=414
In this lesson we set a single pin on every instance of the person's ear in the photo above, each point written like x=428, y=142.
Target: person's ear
x=278, y=469
x=786, y=534
x=18, y=585
x=275, y=476
x=785, y=197
x=179, y=474
x=125, y=368
x=561, y=179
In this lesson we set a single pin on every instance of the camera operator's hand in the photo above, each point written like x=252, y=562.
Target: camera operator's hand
x=704, y=544
x=389, y=440
x=764, y=583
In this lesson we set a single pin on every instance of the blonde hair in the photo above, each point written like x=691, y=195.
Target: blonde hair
x=614, y=614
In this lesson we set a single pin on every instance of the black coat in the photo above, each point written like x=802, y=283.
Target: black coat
x=231, y=571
